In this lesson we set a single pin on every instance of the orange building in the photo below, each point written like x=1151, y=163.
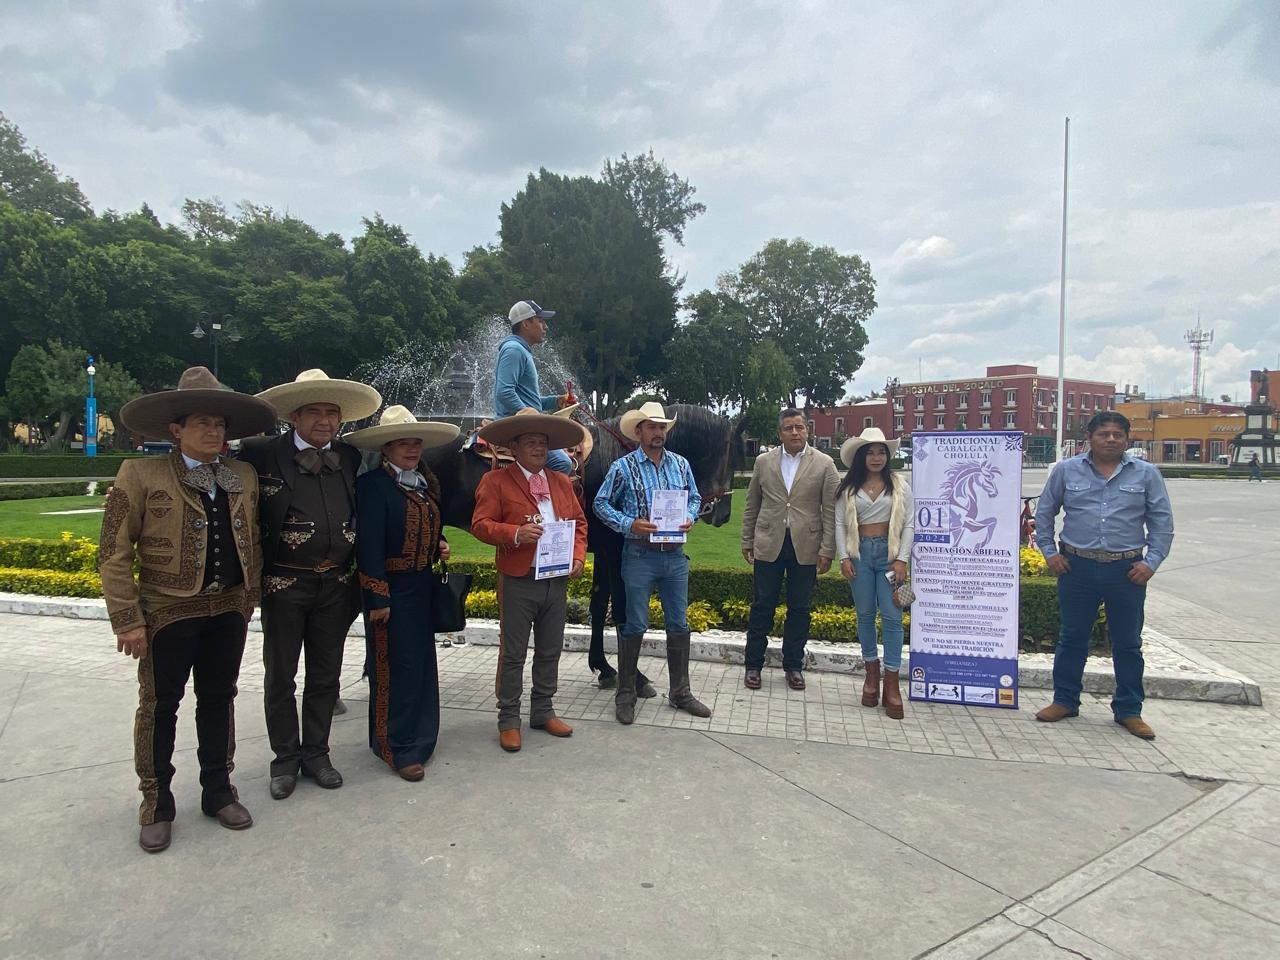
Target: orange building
x=1182, y=431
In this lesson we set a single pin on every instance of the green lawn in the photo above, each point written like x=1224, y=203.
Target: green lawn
x=29, y=518
x=708, y=546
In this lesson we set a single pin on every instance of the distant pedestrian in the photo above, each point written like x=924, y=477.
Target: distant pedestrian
x=788, y=531
x=1117, y=528
x=1255, y=469
x=875, y=527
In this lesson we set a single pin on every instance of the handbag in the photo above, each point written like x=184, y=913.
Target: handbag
x=449, y=600
x=903, y=594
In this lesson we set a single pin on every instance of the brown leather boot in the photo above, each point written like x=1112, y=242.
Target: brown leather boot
x=871, y=684
x=892, y=696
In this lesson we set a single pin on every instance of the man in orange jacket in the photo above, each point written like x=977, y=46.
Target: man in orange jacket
x=512, y=506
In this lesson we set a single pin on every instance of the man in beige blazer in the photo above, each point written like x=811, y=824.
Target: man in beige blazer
x=788, y=530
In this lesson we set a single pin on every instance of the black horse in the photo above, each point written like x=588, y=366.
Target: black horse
x=710, y=443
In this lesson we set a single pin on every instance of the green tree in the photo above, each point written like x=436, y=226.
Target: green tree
x=31, y=183
x=662, y=200
x=813, y=303
x=208, y=219
x=47, y=385
x=601, y=269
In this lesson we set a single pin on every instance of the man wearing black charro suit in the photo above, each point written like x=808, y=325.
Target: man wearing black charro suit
x=306, y=481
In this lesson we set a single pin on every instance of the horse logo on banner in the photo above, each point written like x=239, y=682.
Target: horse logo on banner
x=963, y=486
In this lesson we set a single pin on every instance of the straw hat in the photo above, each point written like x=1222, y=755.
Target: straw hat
x=399, y=423
x=869, y=435
x=357, y=400
x=629, y=423
x=198, y=392
x=560, y=431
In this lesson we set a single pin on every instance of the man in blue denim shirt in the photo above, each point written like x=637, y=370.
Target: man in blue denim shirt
x=515, y=378
x=1116, y=531
x=623, y=503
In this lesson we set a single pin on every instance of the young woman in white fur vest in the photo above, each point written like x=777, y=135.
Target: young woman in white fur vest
x=875, y=526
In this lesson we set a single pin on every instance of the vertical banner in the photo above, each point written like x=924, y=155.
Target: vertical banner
x=91, y=426
x=964, y=567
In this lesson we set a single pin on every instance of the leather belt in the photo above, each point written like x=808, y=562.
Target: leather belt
x=1101, y=556
x=320, y=568
x=660, y=547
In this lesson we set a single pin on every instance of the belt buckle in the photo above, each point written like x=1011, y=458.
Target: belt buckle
x=214, y=588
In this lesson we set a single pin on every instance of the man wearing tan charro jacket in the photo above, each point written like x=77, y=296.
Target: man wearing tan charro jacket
x=191, y=518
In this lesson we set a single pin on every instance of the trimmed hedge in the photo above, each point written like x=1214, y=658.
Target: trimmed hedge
x=717, y=597
x=16, y=466
x=38, y=491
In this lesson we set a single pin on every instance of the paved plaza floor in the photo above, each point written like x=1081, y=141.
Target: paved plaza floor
x=789, y=825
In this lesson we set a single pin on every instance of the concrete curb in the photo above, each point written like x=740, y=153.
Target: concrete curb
x=1174, y=670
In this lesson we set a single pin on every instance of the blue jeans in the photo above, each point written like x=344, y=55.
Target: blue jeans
x=1080, y=590
x=872, y=591
x=642, y=570
x=559, y=461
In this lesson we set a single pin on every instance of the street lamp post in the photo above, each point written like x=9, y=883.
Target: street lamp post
x=217, y=331
x=90, y=415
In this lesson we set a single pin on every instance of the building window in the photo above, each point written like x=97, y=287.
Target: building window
x=824, y=443
x=1040, y=397
x=919, y=421
x=866, y=422
x=1040, y=422
x=1099, y=403
x=811, y=430
x=962, y=402
x=897, y=403
x=986, y=398
x=1010, y=421
x=840, y=427
x=962, y=423
x=1215, y=450
x=1071, y=400
x=897, y=424
x=1010, y=397
x=986, y=421
x=939, y=422
x=1084, y=401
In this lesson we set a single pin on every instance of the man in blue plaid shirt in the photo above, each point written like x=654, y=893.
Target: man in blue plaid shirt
x=624, y=502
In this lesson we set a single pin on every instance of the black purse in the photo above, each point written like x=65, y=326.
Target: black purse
x=449, y=600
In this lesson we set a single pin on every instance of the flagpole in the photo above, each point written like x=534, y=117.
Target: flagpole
x=1062, y=300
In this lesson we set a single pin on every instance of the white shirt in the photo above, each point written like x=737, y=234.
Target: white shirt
x=791, y=465
x=303, y=445
x=544, y=504
x=192, y=464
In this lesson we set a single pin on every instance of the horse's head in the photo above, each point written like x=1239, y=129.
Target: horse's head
x=987, y=479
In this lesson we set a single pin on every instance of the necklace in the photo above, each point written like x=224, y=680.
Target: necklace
x=873, y=491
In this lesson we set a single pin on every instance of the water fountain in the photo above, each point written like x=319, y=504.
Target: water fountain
x=454, y=381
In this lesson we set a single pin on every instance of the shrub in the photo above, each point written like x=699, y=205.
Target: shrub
x=50, y=583
x=37, y=491
x=68, y=555
x=14, y=466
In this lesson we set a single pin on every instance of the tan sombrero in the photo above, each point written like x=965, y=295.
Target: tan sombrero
x=560, y=432
x=198, y=392
x=399, y=423
x=869, y=435
x=629, y=422
x=357, y=400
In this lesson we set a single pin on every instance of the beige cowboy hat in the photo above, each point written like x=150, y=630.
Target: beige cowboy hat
x=198, y=392
x=560, y=431
x=629, y=423
x=869, y=435
x=357, y=400
x=399, y=423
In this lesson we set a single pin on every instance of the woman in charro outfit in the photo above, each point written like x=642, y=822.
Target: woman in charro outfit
x=398, y=516
x=875, y=525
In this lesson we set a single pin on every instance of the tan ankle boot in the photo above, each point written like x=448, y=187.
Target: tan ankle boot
x=892, y=696
x=871, y=684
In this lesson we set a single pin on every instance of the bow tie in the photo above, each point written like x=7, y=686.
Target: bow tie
x=208, y=475
x=539, y=487
x=311, y=460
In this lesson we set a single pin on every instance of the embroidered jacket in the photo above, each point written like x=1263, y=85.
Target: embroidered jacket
x=400, y=531
x=150, y=512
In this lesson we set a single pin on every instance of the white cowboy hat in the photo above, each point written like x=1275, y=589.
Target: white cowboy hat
x=357, y=400
x=560, y=432
x=629, y=423
x=399, y=423
x=198, y=392
x=869, y=435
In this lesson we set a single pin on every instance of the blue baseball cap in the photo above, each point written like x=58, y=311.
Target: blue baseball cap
x=524, y=309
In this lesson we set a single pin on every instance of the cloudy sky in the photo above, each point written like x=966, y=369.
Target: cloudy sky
x=926, y=137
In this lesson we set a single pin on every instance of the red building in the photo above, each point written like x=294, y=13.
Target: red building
x=1009, y=397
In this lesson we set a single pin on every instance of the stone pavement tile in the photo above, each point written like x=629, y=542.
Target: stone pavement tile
x=1148, y=917
x=1256, y=816
x=1225, y=865
x=936, y=802
x=365, y=869
x=1053, y=941
x=11, y=682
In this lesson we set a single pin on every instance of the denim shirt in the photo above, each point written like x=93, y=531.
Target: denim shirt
x=1127, y=511
x=617, y=503
x=515, y=382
